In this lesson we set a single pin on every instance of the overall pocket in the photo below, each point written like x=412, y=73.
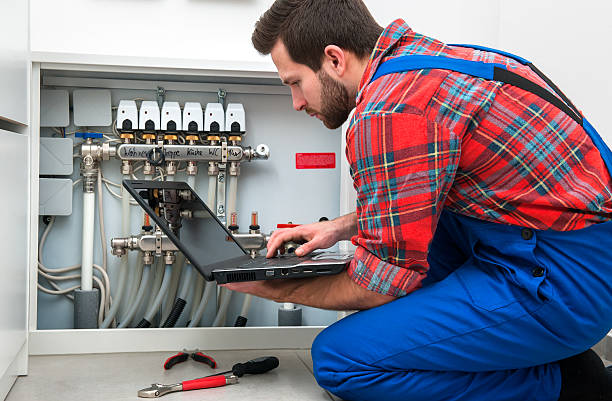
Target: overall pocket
x=502, y=274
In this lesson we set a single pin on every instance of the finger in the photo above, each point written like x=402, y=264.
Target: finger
x=306, y=248
x=276, y=241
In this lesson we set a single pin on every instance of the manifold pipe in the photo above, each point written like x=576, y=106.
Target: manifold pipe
x=144, y=284
x=123, y=265
x=208, y=292
x=89, y=201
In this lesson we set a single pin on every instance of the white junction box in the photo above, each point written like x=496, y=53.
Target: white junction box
x=171, y=119
x=54, y=108
x=127, y=115
x=55, y=197
x=149, y=116
x=56, y=156
x=193, y=118
x=235, y=120
x=214, y=117
x=92, y=107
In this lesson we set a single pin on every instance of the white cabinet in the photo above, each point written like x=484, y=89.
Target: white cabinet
x=14, y=61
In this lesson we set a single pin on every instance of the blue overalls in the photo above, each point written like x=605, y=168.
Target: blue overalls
x=500, y=305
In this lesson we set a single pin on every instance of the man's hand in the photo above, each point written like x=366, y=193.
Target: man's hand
x=319, y=235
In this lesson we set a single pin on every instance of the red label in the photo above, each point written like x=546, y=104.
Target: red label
x=315, y=160
x=287, y=225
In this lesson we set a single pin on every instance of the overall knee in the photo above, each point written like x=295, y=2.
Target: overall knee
x=323, y=359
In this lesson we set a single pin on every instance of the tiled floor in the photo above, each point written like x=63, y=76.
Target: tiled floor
x=118, y=377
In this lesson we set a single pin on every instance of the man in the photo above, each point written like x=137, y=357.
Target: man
x=482, y=226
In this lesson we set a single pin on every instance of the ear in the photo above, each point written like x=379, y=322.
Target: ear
x=334, y=60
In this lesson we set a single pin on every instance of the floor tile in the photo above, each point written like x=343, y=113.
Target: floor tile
x=118, y=377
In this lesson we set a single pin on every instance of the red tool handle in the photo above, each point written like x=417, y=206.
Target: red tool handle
x=205, y=382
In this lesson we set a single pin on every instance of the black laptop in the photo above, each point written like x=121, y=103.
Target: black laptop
x=211, y=248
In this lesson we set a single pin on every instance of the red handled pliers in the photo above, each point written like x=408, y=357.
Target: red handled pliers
x=196, y=355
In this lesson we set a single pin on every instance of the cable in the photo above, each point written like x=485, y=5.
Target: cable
x=47, y=272
x=58, y=292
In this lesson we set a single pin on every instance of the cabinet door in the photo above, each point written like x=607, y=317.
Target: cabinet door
x=14, y=61
x=13, y=245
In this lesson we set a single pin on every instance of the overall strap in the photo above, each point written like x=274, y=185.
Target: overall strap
x=498, y=72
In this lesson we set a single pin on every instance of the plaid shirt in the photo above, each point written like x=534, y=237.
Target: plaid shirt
x=423, y=141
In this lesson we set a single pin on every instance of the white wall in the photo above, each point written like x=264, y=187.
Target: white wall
x=568, y=40
x=190, y=29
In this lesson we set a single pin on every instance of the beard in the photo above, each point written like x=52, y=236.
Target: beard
x=335, y=101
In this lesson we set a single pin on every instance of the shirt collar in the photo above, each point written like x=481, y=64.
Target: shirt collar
x=387, y=40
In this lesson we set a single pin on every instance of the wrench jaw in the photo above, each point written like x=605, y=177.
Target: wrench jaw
x=157, y=390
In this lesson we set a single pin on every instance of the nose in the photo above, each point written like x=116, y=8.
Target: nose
x=299, y=103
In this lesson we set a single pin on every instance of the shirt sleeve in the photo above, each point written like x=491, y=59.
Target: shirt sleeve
x=403, y=166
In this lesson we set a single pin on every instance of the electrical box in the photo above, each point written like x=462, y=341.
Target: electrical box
x=171, y=119
x=55, y=197
x=127, y=115
x=235, y=120
x=56, y=156
x=92, y=107
x=214, y=117
x=149, y=116
x=54, y=108
x=193, y=118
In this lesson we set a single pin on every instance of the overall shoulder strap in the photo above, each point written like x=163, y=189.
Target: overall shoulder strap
x=498, y=72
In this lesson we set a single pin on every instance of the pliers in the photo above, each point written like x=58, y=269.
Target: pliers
x=196, y=355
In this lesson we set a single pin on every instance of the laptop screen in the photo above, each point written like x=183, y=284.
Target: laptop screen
x=188, y=222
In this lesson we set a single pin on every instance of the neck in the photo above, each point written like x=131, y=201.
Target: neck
x=354, y=75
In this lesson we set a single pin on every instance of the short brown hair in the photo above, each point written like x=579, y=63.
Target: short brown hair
x=306, y=27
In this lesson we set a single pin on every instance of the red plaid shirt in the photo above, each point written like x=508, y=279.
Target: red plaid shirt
x=423, y=141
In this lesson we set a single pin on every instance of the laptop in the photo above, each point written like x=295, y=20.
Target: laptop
x=211, y=248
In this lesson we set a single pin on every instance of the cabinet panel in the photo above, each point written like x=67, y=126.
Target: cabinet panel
x=13, y=247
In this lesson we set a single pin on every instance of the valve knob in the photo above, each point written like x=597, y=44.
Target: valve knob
x=89, y=135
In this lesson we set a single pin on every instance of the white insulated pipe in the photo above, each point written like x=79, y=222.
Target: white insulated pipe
x=160, y=295
x=246, y=305
x=89, y=202
x=212, y=192
x=208, y=292
x=225, y=294
x=144, y=283
x=123, y=265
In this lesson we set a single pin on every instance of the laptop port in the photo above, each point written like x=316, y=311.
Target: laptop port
x=323, y=271
x=295, y=270
x=284, y=272
x=307, y=271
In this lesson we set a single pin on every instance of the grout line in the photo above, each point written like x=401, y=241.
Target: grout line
x=304, y=363
x=307, y=365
